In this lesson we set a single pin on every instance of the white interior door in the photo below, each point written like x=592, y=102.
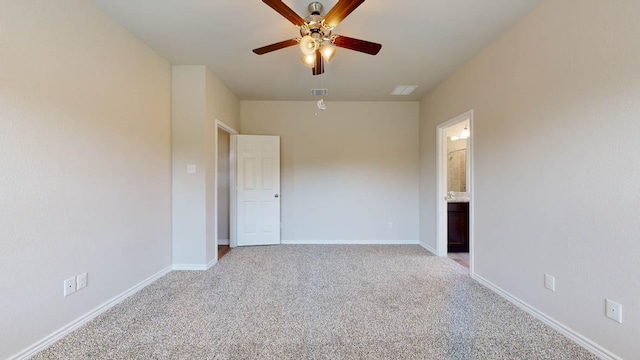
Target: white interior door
x=258, y=190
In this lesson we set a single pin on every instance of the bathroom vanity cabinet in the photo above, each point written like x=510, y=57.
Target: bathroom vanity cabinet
x=458, y=227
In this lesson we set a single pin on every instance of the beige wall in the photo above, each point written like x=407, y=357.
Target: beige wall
x=85, y=164
x=199, y=98
x=188, y=148
x=556, y=126
x=345, y=173
x=223, y=186
x=224, y=106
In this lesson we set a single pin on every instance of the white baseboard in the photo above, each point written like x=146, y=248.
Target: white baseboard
x=349, y=242
x=223, y=241
x=428, y=248
x=189, y=267
x=69, y=328
x=211, y=263
x=194, y=267
x=589, y=345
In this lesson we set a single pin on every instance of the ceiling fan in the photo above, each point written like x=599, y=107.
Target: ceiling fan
x=317, y=41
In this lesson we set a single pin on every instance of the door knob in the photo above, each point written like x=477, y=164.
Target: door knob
x=277, y=195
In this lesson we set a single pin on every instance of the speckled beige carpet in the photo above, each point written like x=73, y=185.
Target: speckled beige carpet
x=317, y=302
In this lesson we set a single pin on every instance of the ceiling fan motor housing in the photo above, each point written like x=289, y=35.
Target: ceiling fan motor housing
x=315, y=8
x=314, y=25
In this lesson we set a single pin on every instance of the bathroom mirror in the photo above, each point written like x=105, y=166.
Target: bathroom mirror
x=457, y=165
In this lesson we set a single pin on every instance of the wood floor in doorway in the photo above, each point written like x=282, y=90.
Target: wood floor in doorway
x=223, y=250
x=460, y=258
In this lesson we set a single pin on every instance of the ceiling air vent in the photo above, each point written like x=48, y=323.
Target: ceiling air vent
x=404, y=89
x=319, y=92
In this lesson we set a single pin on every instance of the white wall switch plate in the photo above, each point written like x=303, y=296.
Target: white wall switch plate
x=191, y=169
x=69, y=286
x=81, y=281
x=549, y=282
x=614, y=310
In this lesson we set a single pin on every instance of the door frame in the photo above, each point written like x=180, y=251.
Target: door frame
x=232, y=184
x=441, y=186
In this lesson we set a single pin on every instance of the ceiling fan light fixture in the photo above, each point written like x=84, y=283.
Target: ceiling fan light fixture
x=309, y=60
x=328, y=52
x=308, y=45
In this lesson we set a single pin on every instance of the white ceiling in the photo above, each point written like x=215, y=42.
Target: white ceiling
x=423, y=41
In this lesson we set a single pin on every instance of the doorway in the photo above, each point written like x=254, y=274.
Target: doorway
x=455, y=189
x=225, y=175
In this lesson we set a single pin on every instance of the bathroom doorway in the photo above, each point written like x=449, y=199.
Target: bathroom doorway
x=224, y=188
x=455, y=189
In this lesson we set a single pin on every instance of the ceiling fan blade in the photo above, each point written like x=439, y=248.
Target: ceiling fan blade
x=285, y=11
x=366, y=47
x=318, y=68
x=273, y=47
x=340, y=11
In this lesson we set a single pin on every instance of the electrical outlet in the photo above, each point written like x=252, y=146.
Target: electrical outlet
x=81, y=281
x=614, y=310
x=390, y=225
x=550, y=282
x=191, y=169
x=69, y=286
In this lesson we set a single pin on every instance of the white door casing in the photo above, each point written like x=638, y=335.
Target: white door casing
x=441, y=186
x=258, y=190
